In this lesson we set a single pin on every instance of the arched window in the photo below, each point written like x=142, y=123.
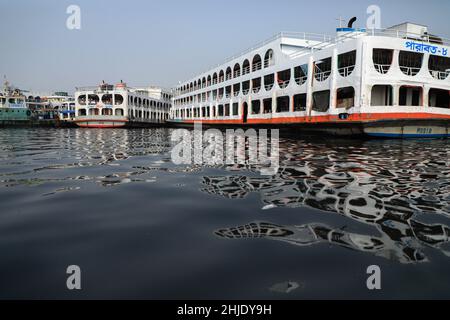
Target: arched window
x=228, y=74
x=81, y=100
x=268, y=59
x=236, y=70
x=246, y=67
x=118, y=99
x=107, y=99
x=214, y=78
x=221, y=76
x=256, y=63
x=209, y=81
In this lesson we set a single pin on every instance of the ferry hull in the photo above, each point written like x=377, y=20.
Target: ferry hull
x=103, y=122
x=401, y=129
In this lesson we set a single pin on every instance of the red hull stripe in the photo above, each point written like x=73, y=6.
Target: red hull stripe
x=358, y=117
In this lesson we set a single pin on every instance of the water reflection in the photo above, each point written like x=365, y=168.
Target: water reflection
x=387, y=185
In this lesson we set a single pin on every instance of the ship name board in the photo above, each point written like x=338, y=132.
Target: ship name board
x=428, y=48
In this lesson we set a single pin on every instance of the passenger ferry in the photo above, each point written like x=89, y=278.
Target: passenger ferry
x=13, y=106
x=386, y=83
x=112, y=106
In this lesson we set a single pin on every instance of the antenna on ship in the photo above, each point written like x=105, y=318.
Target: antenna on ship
x=340, y=19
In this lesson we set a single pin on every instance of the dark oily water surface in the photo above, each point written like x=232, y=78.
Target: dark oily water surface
x=112, y=202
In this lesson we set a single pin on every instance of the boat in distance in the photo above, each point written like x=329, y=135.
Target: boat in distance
x=114, y=106
x=393, y=82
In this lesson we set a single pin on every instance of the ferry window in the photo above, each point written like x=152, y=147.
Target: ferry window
x=439, y=98
x=236, y=70
x=246, y=67
x=256, y=63
x=284, y=78
x=93, y=99
x=439, y=67
x=256, y=106
x=213, y=111
x=203, y=112
x=235, y=109
x=107, y=112
x=245, y=87
x=300, y=102
x=227, y=110
x=208, y=81
x=269, y=81
x=410, y=62
x=267, y=104
x=221, y=76
x=346, y=63
x=283, y=104
x=322, y=69
x=382, y=95
x=256, y=84
x=220, y=110
x=107, y=99
x=228, y=91
x=301, y=74
x=410, y=96
x=345, y=97
x=228, y=73
x=236, y=89
x=207, y=112
x=118, y=99
x=82, y=100
x=268, y=59
x=12, y=100
x=382, y=59
x=321, y=101
x=82, y=112
x=214, y=78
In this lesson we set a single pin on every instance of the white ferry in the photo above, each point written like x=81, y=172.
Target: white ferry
x=387, y=83
x=112, y=106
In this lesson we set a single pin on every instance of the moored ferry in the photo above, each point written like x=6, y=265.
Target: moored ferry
x=13, y=106
x=112, y=106
x=393, y=82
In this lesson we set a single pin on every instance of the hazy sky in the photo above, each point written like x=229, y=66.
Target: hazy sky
x=162, y=42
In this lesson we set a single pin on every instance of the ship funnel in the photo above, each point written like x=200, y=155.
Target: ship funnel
x=351, y=22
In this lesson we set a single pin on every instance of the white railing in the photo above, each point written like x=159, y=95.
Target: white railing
x=228, y=76
x=346, y=71
x=410, y=71
x=228, y=95
x=283, y=84
x=256, y=89
x=256, y=66
x=245, y=92
x=268, y=63
x=382, y=68
x=246, y=70
x=268, y=87
x=301, y=80
x=236, y=93
x=322, y=76
x=237, y=74
x=440, y=75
